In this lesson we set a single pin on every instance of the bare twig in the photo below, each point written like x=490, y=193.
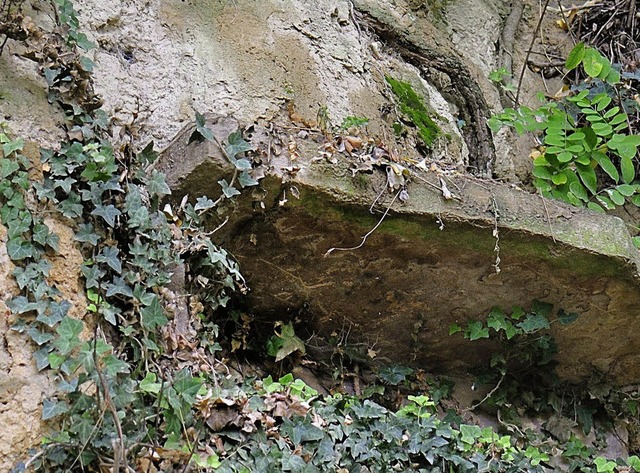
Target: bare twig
x=484, y=399
x=496, y=233
x=548, y=219
x=526, y=59
x=364, y=238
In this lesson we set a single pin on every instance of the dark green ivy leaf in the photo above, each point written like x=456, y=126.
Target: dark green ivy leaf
x=86, y=234
x=109, y=255
x=157, y=184
x=20, y=305
x=71, y=207
x=51, y=409
x=42, y=357
x=108, y=213
x=237, y=145
x=585, y=417
x=201, y=129
x=38, y=336
x=542, y=308
x=187, y=386
x=92, y=275
x=19, y=249
x=70, y=328
x=147, y=155
x=114, y=365
x=55, y=313
x=119, y=286
x=11, y=146
x=533, y=323
x=8, y=167
x=153, y=316
x=64, y=184
x=395, y=374
x=476, y=330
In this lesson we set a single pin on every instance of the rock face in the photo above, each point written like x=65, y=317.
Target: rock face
x=430, y=261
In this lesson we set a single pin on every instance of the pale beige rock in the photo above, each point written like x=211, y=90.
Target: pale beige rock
x=22, y=388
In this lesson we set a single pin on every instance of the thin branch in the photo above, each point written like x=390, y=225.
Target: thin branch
x=364, y=238
x=526, y=59
x=484, y=399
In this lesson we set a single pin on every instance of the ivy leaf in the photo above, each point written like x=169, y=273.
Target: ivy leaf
x=11, y=146
x=187, y=386
x=69, y=331
x=86, y=234
x=83, y=428
x=51, y=409
x=542, y=308
x=42, y=357
x=8, y=167
x=469, y=433
x=395, y=374
x=70, y=328
x=139, y=218
x=157, y=184
x=55, y=313
x=290, y=342
x=109, y=255
x=227, y=190
x=19, y=249
x=20, y=305
x=585, y=417
x=242, y=164
x=454, y=328
x=113, y=365
x=477, y=331
x=149, y=385
x=83, y=42
x=38, y=336
x=533, y=323
x=42, y=235
x=64, y=184
x=18, y=225
x=245, y=179
x=237, y=145
x=153, y=316
x=203, y=203
x=119, y=286
x=108, y=213
x=92, y=275
x=202, y=131
x=147, y=155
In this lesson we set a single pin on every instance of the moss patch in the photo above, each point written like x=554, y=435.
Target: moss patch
x=413, y=107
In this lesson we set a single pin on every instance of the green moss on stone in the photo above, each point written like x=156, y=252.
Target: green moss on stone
x=413, y=107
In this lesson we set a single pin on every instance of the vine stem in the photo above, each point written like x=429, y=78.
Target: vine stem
x=484, y=399
x=364, y=238
x=526, y=59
